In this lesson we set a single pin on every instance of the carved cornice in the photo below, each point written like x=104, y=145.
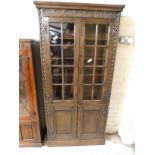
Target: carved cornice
x=78, y=13
x=78, y=6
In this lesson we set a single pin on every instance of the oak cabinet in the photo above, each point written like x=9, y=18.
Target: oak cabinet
x=29, y=129
x=78, y=47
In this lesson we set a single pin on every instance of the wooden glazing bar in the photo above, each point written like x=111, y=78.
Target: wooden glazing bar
x=62, y=61
x=94, y=66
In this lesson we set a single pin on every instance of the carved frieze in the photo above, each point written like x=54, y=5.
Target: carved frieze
x=78, y=13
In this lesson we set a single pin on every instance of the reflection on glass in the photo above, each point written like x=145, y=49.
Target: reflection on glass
x=68, y=33
x=89, y=55
x=62, y=59
x=55, y=33
x=56, y=70
x=68, y=55
x=90, y=30
x=87, y=92
x=68, y=92
x=23, y=99
x=97, y=92
x=89, y=62
x=68, y=75
x=103, y=32
x=57, y=92
x=56, y=55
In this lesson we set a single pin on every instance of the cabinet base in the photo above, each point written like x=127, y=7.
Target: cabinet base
x=75, y=142
x=27, y=144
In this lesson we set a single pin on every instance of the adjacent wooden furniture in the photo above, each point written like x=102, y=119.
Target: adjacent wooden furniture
x=29, y=130
x=78, y=47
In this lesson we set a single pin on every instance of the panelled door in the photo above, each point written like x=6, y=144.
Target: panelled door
x=79, y=54
x=63, y=46
x=93, y=76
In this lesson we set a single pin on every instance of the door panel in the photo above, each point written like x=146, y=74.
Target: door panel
x=62, y=121
x=91, y=121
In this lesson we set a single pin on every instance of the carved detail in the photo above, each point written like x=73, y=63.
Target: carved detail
x=42, y=46
x=23, y=46
x=78, y=13
x=47, y=95
x=114, y=36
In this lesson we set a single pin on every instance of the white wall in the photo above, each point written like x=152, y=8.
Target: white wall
x=122, y=76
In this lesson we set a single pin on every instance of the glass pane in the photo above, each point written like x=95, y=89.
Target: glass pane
x=68, y=55
x=68, y=92
x=24, y=108
x=55, y=33
x=99, y=79
x=68, y=79
x=89, y=55
x=87, y=92
x=89, y=62
x=68, y=33
x=68, y=75
x=88, y=71
x=97, y=92
x=101, y=56
x=56, y=55
x=103, y=32
x=99, y=71
x=56, y=71
x=87, y=79
x=90, y=30
x=57, y=92
x=57, y=79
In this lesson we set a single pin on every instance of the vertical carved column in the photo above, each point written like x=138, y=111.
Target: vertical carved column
x=42, y=47
x=114, y=37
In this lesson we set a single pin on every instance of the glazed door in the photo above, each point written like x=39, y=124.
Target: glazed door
x=62, y=38
x=95, y=53
x=77, y=70
x=29, y=134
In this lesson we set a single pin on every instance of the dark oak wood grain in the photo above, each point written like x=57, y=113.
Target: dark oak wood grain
x=79, y=118
x=78, y=6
